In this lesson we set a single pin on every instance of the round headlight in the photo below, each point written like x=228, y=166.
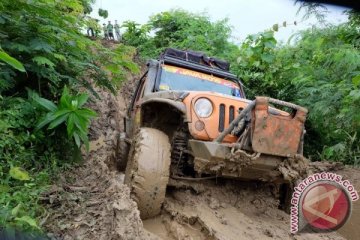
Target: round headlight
x=203, y=107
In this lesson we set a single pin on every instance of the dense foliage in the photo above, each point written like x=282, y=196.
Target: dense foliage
x=181, y=29
x=43, y=123
x=320, y=71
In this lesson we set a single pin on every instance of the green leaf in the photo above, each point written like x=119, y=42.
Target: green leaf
x=77, y=139
x=49, y=105
x=56, y=122
x=86, y=113
x=74, y=104
x=65, y=100
x=15, y=210
x=131, y=66
x=19, y=47
x=82, y=99
x=58, y=113
x=270, y=44
x=45, y=120
x=42, y=61
x=84, y=138
x=113, y=68
x=356, y=80
x=29, y=220
x=11, y=61
x=70, y=124
x=60, y=57
x=355, y=94
x=39, y=44
x=269, y=58
x=4, y=188
x=268, y=35
x=19, y=174
x=4, y=125
x=80, y=123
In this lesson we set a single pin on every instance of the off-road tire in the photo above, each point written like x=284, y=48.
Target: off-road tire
x=147, y=170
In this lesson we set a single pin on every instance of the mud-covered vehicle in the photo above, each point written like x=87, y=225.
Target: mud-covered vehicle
x=189, y=119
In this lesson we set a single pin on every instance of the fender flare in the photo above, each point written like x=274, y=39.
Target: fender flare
x=177, y=105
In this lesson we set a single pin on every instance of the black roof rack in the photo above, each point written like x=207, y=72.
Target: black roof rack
x=199, y=62
x=198, y=58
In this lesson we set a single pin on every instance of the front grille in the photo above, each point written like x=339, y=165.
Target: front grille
x=221, y=117
x=222, y=113
x=231, y=114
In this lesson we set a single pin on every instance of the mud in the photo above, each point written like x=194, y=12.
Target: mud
x=225, y=209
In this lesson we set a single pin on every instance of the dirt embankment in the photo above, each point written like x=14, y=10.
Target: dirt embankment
x=91, y=201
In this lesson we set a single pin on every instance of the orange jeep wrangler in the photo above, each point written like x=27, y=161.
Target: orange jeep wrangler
x=189, y=119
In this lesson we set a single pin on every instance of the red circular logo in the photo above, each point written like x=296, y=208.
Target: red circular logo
x=326, y=206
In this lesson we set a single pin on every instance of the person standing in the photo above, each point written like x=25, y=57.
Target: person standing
x=117, y=31
x=106, y=35
x=110, y=30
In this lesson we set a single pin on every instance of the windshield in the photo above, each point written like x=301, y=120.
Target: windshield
x=176, y=78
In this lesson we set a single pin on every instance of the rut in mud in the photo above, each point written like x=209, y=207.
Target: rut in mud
x=225, y=209
x=229, y=209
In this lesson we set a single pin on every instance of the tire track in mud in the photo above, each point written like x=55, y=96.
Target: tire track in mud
x=227, y=210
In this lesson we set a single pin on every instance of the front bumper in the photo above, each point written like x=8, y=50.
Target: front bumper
x=219, y=159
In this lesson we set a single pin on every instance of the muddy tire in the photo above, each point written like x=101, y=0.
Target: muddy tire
x=147, y=171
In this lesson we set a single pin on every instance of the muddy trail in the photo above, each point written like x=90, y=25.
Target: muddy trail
x=224, y=210
x=91, y=201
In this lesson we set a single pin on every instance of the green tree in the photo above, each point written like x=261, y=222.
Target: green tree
x=321, y=72
x=137, y=35
x=328, y=83
x=43, y=49
x=46, y=37
x=257, y=65
x=181, y=29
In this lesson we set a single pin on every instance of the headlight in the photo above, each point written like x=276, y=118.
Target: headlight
x=203, y=107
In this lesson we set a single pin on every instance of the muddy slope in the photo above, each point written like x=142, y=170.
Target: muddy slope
x=91, y=201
